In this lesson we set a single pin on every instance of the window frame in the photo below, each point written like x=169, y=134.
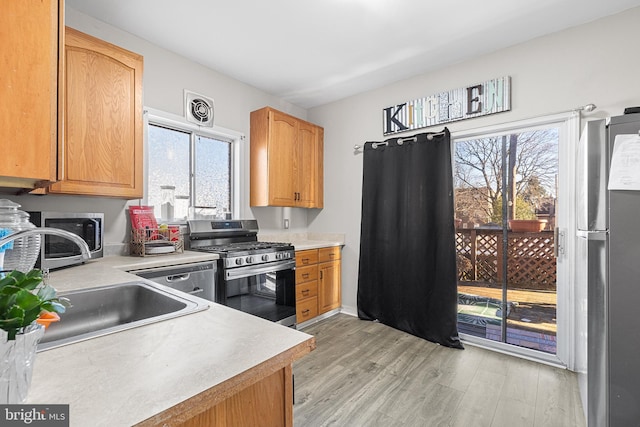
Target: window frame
x=569, y=133
x=179, y=123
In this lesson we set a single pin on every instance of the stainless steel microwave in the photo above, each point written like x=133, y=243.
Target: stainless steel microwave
x=57, y=252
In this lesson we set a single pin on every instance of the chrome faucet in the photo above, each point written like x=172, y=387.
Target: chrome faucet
x=84, y=248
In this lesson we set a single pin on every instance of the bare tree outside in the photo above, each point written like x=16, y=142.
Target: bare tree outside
x=532, y=172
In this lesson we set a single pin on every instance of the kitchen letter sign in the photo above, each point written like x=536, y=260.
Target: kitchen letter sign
x=493, y=96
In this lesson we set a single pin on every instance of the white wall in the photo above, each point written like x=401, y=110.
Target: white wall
x=166, y=75
x=593, y=63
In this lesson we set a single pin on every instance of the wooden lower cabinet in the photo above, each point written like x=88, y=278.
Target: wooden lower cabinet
x=318, y=287
x=329, y=289
x=265, y=403
x=261, y=396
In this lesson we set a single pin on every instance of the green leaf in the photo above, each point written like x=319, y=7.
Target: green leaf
x=16, y=312
x=13, y=279
x=26, y=300
x=47, y=293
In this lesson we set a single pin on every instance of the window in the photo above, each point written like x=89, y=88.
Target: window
x=190, y=170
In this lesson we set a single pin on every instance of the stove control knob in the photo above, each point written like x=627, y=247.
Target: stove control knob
x=279, y=255
x=265, y=257
x=249, y=259
x=238, y=261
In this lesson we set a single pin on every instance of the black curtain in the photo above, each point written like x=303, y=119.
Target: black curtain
x=407, y=272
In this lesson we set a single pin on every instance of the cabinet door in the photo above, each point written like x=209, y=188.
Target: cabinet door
x=318, y=201
x=283, y=164
x=308, y=170
x=102, y=149
x=29, y=42
x=329, y=296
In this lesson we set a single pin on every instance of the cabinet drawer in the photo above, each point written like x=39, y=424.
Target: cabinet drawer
x=306, y=273
x=306, y=290
x=306, y=257
x=329, y=254
x=307, y=309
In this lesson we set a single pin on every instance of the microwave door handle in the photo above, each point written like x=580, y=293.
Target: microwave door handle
x=96, y=229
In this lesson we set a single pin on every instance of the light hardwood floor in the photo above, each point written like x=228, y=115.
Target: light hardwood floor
x=367, y=374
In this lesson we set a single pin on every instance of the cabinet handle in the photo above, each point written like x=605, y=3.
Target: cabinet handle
x=320, y=274
x=305, y=260
x=305, y=312
x=305, y=292
x=305, y=275
x=331, y=255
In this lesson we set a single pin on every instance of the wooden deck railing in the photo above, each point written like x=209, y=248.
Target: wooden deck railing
x=531, y=263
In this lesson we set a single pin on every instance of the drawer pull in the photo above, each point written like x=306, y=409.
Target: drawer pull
x=305, y=275
x=305, y=260
x=331, y=255
x=305, y=292
x=305, y=312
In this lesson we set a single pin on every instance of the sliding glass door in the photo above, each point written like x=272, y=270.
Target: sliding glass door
x=506, y=207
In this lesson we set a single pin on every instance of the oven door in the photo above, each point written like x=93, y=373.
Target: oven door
x=267, y=291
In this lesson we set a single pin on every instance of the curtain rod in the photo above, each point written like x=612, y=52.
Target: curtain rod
x=400, y=141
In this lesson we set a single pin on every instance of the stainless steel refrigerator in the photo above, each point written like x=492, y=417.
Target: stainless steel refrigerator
x=608, y=261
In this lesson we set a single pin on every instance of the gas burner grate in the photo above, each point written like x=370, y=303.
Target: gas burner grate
x=245, y=246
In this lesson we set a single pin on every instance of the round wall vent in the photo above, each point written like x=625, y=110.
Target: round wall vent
x=198, y=109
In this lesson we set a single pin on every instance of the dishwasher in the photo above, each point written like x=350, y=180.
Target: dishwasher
x=197, y=279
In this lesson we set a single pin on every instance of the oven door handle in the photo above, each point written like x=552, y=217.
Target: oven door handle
x=239, y=273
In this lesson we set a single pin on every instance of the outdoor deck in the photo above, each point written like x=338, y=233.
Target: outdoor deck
x=531, y=318
x=531, y=283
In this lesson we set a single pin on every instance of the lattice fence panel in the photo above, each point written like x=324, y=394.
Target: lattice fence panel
x=531, y=262
x=487, y=257
x=464, y=256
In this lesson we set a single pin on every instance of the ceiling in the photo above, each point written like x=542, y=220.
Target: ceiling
x=314, y=52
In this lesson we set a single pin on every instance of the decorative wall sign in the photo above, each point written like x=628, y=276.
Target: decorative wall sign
x=490, y=97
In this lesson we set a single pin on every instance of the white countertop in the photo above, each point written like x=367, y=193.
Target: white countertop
x=127, y=377
x=304, y=241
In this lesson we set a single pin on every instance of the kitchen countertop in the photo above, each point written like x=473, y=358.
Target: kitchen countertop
x=304, y=241
x=127, y=377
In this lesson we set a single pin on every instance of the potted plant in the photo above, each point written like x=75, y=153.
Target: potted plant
x=24, y=299
x=527, y=225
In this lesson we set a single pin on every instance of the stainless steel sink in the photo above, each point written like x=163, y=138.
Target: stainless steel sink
x=107, y=309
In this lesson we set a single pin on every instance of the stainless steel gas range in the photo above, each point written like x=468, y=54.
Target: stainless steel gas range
x=254, y=277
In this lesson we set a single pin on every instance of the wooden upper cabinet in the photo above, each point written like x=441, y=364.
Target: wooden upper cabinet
x=283, y=129
x=286, y=160
x=101, y=153
x=30, y=39
x=308, y=176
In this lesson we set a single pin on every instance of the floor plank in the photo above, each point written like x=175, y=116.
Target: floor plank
x=368, y=374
